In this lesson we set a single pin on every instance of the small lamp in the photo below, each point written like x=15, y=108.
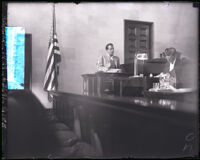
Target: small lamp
x=139, y=56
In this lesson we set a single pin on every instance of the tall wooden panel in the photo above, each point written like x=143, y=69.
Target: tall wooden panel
x=137, y=39
x=28, y=62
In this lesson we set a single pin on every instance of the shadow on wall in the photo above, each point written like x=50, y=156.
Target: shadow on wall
x=41, y=95
x=27, y=129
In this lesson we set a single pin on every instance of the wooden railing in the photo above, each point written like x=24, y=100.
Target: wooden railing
x=130, y=127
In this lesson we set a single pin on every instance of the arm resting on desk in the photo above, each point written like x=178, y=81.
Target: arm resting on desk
x=100, y=65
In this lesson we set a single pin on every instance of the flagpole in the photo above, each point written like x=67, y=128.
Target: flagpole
x=54, y=19
x=54, y=32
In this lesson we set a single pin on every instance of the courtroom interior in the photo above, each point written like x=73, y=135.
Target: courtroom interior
x=104, y=80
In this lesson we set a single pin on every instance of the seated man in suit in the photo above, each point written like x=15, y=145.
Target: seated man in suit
x=108, y=62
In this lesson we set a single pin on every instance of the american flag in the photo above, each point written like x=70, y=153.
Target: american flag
x=53, y=61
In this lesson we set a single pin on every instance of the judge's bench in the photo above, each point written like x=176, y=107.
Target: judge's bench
x=125, y=83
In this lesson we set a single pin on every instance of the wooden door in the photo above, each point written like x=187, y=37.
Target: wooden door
x=137, y=39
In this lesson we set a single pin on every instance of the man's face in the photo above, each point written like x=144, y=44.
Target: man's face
x=110, y=50
x=170, y=55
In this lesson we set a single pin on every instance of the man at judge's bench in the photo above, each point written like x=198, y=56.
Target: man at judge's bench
x=109, y=62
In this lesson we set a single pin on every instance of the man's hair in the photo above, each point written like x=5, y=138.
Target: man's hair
x=109, y=44
x=170, y=51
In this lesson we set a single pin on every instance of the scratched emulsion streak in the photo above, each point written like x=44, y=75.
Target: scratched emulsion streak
x=15, y=48
x=4, y=110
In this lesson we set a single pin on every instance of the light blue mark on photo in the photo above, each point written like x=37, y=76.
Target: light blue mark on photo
x=15, y=50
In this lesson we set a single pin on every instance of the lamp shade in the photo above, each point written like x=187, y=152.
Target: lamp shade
x=142, y=56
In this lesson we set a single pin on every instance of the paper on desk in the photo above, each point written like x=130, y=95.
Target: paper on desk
x=113, y=71
x=180, y=90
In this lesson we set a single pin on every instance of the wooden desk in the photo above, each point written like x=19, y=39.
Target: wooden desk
x=94, y=84
x=102, y=78
x=89, y=84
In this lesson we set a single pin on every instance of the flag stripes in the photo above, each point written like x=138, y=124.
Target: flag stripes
x=53, y=61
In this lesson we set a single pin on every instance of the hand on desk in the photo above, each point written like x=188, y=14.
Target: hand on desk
x=172, y=88
x=163, y=75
